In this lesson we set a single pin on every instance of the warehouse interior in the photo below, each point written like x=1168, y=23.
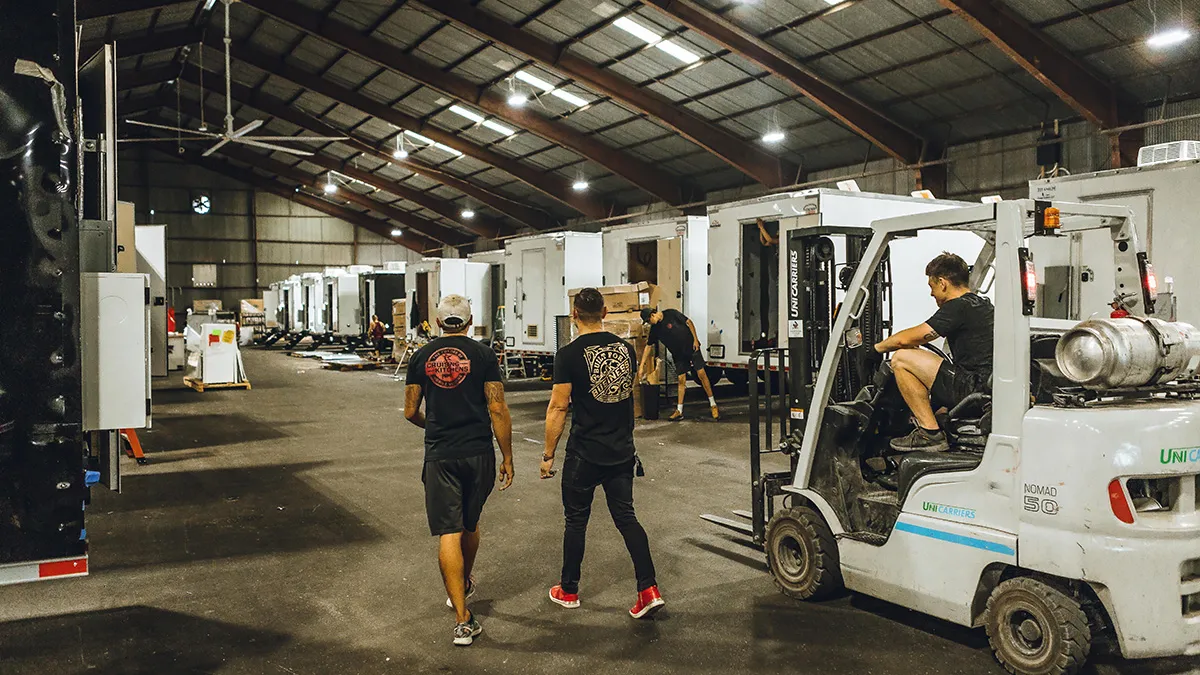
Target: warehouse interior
x=271, y=175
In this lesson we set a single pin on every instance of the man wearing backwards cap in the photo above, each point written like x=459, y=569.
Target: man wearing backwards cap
x=459, y=379
x=677, y=332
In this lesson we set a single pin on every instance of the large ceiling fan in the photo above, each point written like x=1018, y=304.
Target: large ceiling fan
x=231, y=135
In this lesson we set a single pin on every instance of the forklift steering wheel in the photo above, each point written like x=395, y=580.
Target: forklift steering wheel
x=937, y=351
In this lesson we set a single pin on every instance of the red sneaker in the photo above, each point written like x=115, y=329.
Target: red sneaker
x=560, y=597
x=649, y=601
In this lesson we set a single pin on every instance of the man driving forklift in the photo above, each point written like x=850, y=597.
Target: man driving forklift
x=965, y=319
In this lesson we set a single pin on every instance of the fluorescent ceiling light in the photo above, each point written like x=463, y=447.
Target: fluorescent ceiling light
x=468, y=214
x=1168, y=38
x=535, y=81
x=579, y=185
x=480, y=119
x=651, y=38
x=430, y=141
x=773, y=137
x=834, y=2
x=208, y=4
x=397, y=232
x=517, y=100
x=330, y=188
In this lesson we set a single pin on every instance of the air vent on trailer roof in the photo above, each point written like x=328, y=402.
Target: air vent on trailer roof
x=1176, y=151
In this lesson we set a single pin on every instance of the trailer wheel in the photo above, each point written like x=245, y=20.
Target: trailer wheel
x=803, y=554
x=1035, y=629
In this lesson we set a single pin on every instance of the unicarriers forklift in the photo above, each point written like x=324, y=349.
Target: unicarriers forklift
x=1067, y=507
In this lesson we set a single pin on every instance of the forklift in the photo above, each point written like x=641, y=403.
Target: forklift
x=1066, y=508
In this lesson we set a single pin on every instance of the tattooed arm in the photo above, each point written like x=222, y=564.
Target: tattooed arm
x=908, y=339
x=412, y=405
x=502, y=428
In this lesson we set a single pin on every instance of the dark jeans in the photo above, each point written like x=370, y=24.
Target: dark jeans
x=579, y=482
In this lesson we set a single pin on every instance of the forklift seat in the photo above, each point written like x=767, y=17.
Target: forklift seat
x=914, y=465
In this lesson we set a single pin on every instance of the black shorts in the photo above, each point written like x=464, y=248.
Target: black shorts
x=952, y=384
x=455, y=491
x=688, y=362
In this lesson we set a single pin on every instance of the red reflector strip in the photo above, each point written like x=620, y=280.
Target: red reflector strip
x=63, y=567
x=1120, y=505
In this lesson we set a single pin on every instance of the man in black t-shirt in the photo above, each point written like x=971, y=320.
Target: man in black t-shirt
x=966, y=320
x=595, y=372
x=678, y=334
x=459, y=379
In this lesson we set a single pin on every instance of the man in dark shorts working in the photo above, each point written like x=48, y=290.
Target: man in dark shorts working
x=596, y=373
x=459, y=380
x=965, y=319
x=678, y=334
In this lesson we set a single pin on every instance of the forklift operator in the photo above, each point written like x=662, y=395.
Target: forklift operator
x=965, y=319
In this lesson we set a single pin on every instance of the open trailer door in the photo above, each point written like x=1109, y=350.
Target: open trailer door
x=670, y=273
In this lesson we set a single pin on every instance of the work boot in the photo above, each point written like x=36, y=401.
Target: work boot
x=716, y=415
x=649, y=601
x=465, y=633
x=921, y=440
x=675, y=416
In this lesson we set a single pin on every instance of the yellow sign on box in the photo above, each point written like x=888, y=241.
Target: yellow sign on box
x=228, y=337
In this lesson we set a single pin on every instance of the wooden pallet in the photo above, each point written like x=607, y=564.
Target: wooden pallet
x=201, y=387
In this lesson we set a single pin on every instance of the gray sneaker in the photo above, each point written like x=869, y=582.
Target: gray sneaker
x=465, y=633
x=921, y=440
x=470, y=592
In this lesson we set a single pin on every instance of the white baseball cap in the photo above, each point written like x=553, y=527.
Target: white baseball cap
x=454, y=311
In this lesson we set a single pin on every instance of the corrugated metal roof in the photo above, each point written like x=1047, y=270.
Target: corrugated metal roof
x=910, y=59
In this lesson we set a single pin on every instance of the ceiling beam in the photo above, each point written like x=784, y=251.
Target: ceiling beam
x=483, y=226
x=754, y=161
x=98, y=9
x=649, y=178
x=144, y=44
x=890, y=137
x=412, y=221
x=132, y=79
x=549, y=184
x=408, y=239
x=1053, y=66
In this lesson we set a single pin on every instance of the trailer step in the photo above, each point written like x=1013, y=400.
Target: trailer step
x=734, y=525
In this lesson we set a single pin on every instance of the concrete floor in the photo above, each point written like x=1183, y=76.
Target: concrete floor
x=281, y=530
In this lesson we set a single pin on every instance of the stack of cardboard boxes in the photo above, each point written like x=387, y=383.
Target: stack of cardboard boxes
x=625, y=304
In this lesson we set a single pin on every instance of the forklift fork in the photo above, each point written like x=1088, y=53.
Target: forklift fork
x=764, y=487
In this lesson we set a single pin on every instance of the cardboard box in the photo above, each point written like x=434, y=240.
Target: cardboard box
x=626, y=297
x=252, y=306
x=626, y=325
x=203, y=306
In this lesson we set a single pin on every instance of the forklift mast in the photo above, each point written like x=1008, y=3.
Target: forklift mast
x=814, y=277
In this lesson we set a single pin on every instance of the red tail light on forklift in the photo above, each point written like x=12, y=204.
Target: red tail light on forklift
x=1119, y=502
x=1149, y=282
x=1028, y=281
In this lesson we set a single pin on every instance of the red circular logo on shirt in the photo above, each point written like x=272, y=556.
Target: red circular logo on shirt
x=448, y=367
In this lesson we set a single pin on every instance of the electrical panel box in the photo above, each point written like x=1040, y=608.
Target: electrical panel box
x=114, y=329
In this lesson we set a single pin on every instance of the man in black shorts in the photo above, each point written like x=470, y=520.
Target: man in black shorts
x=595, y=372
x=965, y=319
x=678, y=334
x=459, y=380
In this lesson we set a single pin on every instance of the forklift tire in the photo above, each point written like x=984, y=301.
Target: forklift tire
x=802, y=554
x=1035, y=629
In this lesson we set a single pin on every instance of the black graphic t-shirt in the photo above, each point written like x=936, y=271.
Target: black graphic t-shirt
x=673, y=332
x=451, y=372
x=967, y=324
x=600, y=367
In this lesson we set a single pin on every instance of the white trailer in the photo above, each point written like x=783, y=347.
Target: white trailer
x=312, y=290
x=272, y=300
x=671, y=254
x=430, y=279
x=1165, y=199
x=377, y=289
x=538, y=271
x=292, y=303
x=744, y=302
x=495, y=300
